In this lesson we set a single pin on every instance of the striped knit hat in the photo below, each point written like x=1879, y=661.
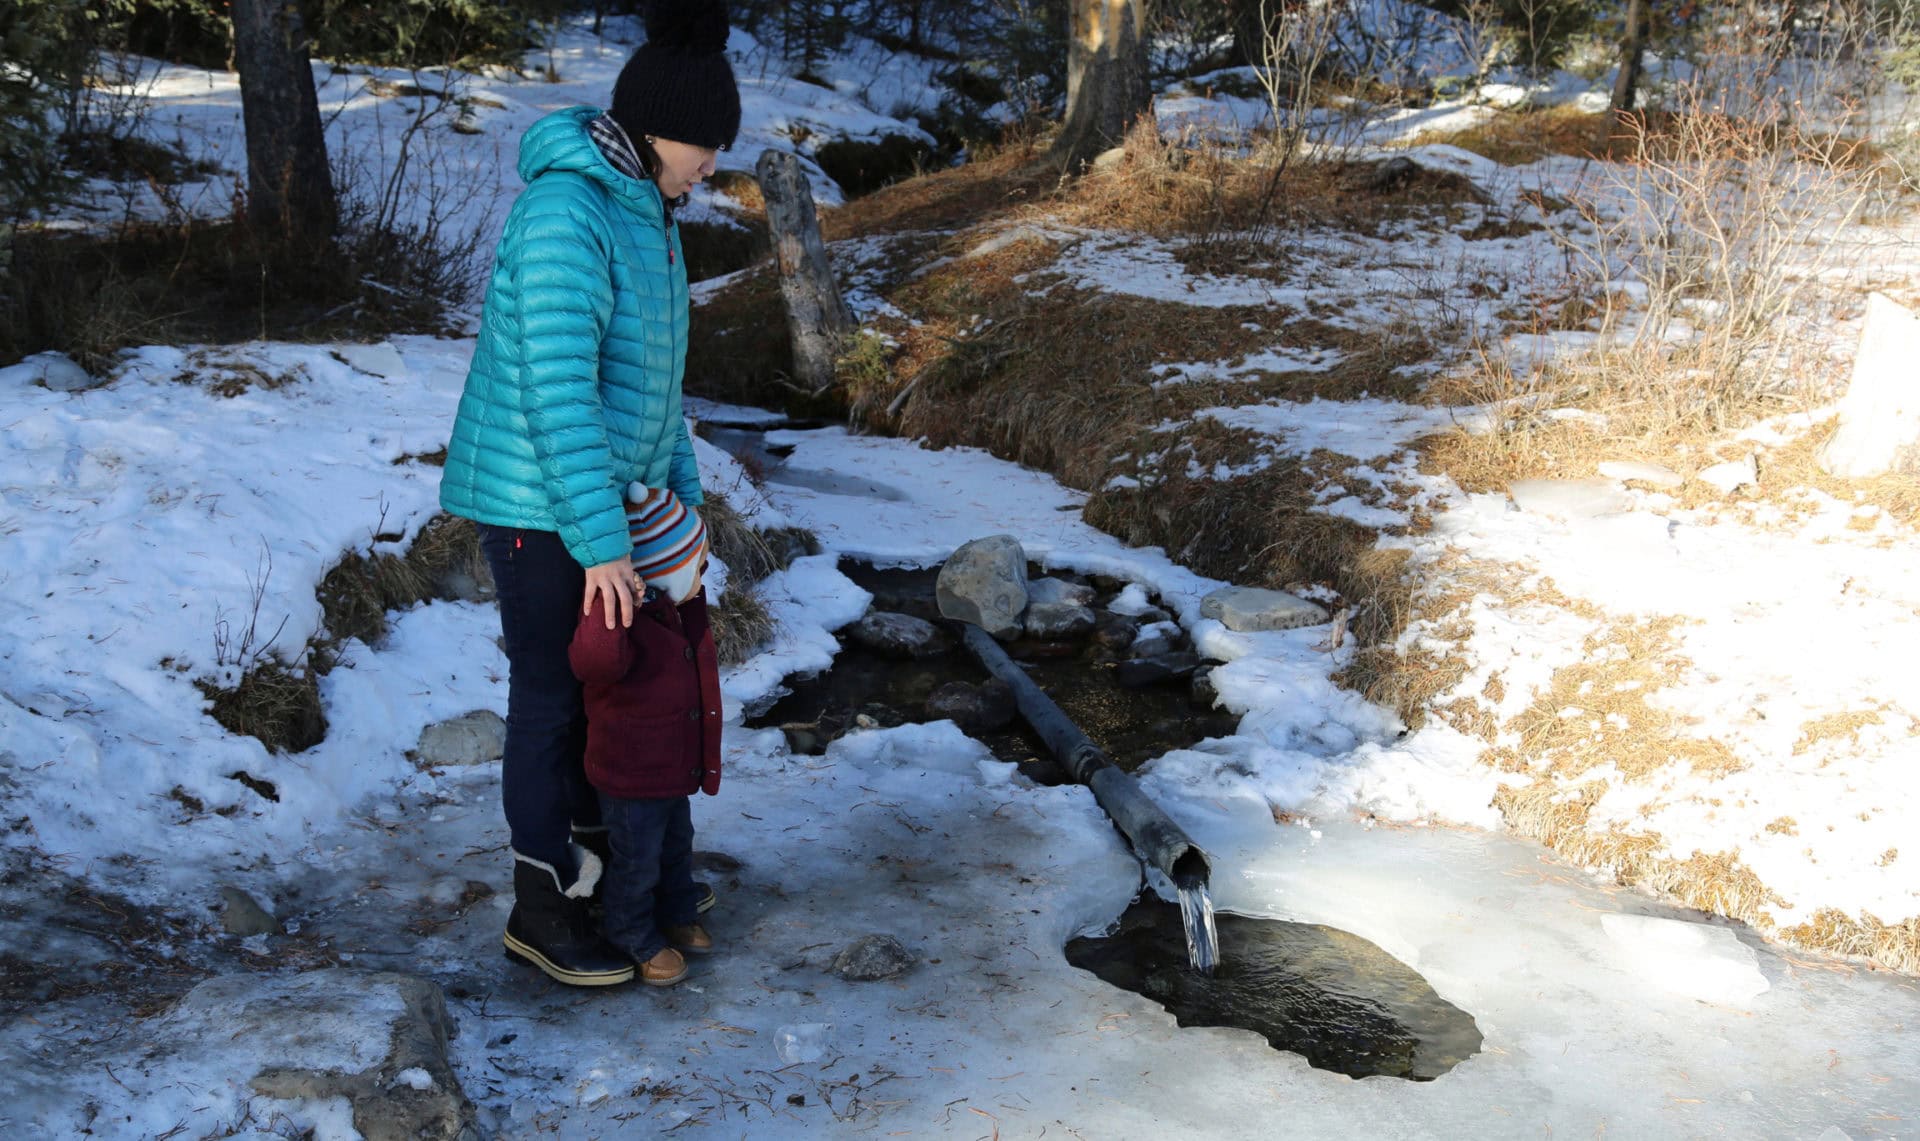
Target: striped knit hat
x=669, y=540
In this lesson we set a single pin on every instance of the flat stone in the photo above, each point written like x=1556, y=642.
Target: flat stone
x=1731, y=476
x=1058, y=592
x=1570, y=499
x=899, y=635
x=1636, y=471
x=1137, y=672
x=985, y=583
x=1247, y=608
x=469, y=739
x=56, y=372
x=312, y=1033
x=1204, y=693
x=382, y=360
x=242, y=915
x=872, y=957
x=975, y=708
x=1158, y=638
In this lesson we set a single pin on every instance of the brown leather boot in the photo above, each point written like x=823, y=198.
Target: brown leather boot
x=692, y=938
x=664, y=969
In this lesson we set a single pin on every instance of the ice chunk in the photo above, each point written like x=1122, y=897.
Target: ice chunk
x=1655, y=474
x=1570, y=498
x=1693, y=960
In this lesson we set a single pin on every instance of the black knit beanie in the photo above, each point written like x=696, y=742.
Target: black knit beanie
x=678, y=85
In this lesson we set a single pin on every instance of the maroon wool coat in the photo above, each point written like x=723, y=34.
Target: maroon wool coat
x=652, y=692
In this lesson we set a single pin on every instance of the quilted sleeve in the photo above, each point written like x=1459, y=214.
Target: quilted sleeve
x=564, y=277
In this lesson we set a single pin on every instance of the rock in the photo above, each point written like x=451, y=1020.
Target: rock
x=1110, y=158
x=1137, y=672
x=1880, y=414
x=719, y=863
x=469, y=739
x=987, y=706
x=1159, y=638
x=985, y=583
x=803, y=739
x=56, y=372
x=1730, y=477
x=899, y=635
x=1151, y=614
x=242, y=915
x=1204, y=693
x=1058, y=592
x=464, y=584
x=312, y=1032
x=382, y=360
x=1113, y=631
x=1634, y=471
x=873, y=957
x=1058, y=620
x=1251, y=608
x=1570, y=499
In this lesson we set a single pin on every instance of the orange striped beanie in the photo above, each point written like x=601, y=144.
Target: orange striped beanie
x=669, y=540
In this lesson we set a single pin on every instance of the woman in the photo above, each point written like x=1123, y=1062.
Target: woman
x=574, y=392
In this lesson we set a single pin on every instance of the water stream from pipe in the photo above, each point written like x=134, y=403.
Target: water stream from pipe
x=1196, y=915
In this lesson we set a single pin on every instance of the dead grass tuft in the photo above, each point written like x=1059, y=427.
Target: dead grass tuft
x=356, y=595
x=1896, y=945
x=275, y=703
x=1844, y=725
x=741, y=621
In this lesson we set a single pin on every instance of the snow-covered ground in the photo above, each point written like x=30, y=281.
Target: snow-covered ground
x=149, y=522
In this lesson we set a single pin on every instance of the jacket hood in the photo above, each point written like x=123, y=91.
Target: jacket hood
x=560, y=142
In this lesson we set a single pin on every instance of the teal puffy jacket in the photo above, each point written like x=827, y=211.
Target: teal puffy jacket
x=574, y=389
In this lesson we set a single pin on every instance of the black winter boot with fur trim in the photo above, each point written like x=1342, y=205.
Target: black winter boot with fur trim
x=595, y=840
x=551, y=928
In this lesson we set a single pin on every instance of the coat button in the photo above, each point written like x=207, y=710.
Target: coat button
x=689, y=653
x=693, y=715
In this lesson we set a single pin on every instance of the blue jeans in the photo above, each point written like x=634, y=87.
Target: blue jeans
x=649, y=884
x=543, y=779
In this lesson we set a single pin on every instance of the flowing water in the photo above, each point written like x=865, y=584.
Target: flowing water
x=1196, y=916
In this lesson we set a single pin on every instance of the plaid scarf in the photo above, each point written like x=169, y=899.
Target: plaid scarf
x=616, y=147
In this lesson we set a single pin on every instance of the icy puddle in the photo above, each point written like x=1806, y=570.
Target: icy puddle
x=1333, y=998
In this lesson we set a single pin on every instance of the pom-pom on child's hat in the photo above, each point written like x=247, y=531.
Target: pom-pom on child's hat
x=678, y=85
x=669, y=540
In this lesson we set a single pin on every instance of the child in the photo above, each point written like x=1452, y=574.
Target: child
x=652, y=693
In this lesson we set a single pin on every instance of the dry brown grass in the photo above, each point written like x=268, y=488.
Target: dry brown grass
x=1598, y=710
x=1520, y=137
x=1844, y=725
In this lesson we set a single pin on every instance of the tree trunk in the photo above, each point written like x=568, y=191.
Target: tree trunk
x=817, y=319
x=1106, y=78
x=1633, y=48
x=289, y=188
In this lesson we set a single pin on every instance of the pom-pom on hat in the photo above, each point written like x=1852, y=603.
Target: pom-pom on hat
x=669, y=540
x=678, y=85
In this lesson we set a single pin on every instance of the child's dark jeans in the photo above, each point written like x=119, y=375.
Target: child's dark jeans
x=649, y=883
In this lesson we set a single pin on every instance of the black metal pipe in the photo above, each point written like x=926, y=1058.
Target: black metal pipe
x=1158, y=840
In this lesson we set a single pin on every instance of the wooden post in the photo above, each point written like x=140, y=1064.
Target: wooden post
x=817, y=318
x=1633, y=51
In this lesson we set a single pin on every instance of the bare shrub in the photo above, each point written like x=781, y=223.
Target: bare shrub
x=1723, y=215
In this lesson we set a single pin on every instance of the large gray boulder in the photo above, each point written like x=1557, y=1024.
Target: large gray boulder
x=985, y=583
x=1251, y=608
x=469, y=739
